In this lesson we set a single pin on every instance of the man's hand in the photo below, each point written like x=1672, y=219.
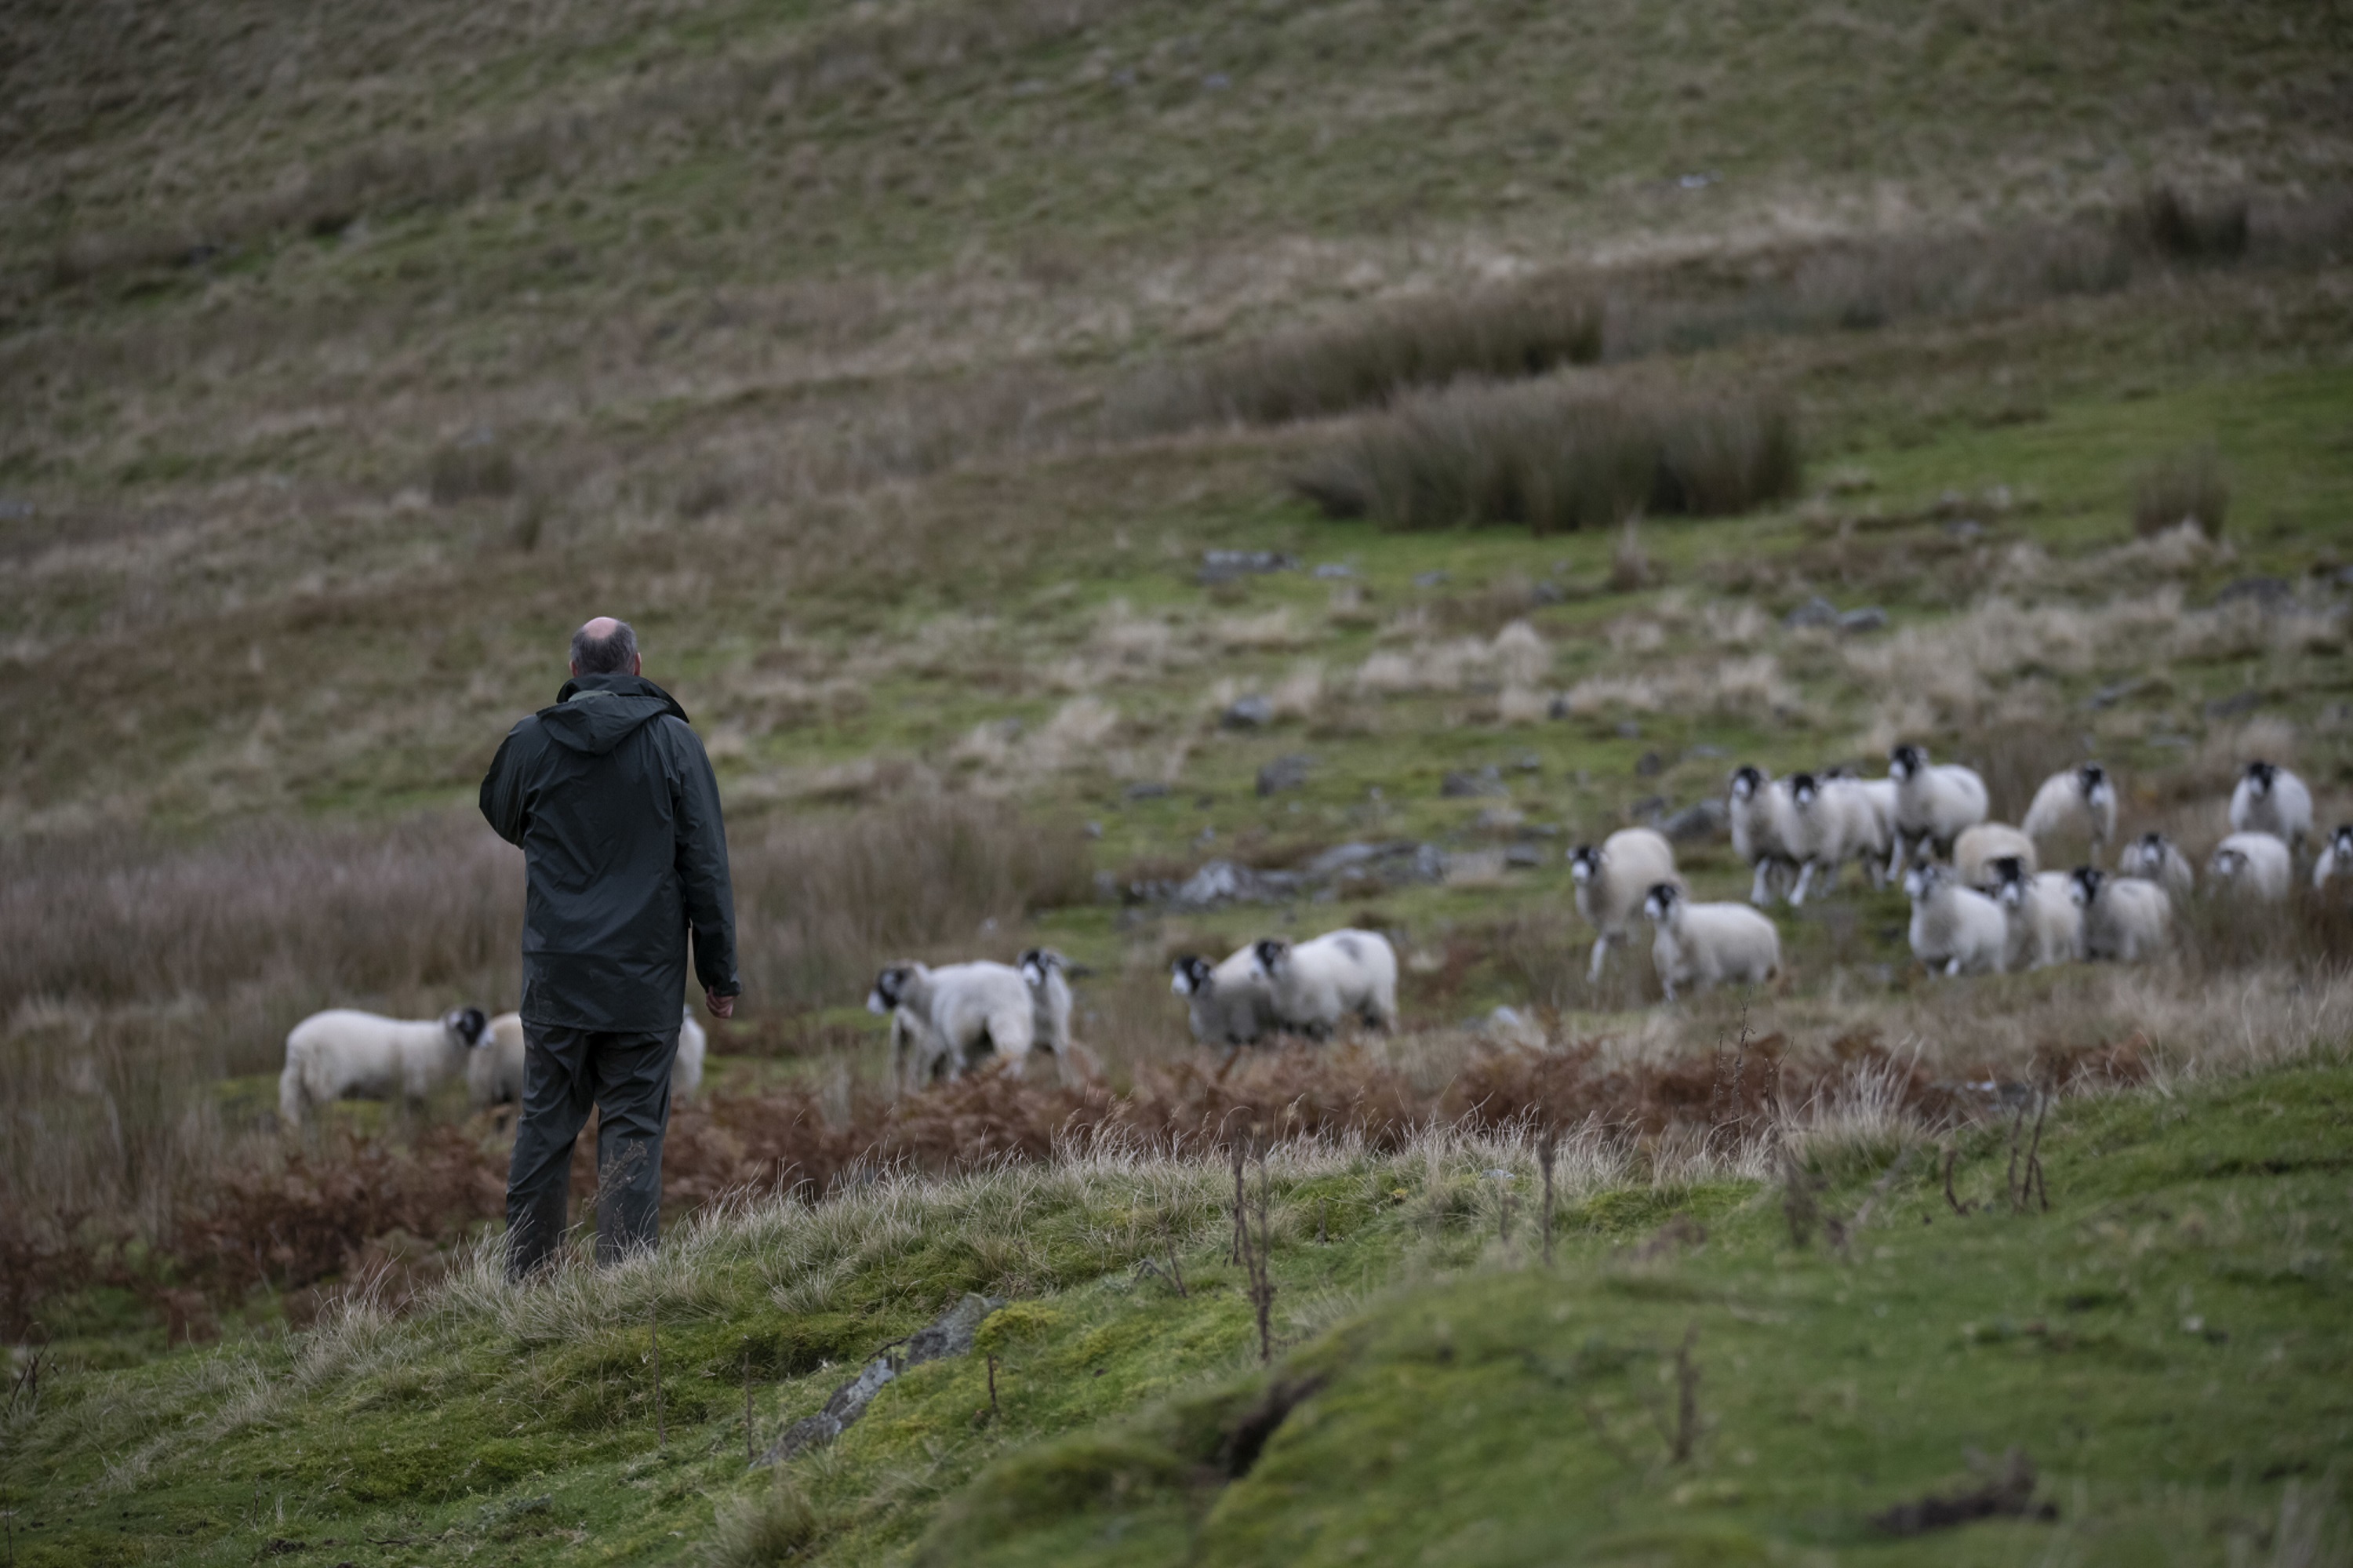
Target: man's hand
x=721, y=1006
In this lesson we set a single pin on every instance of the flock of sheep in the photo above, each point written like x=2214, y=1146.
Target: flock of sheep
x=342, y=1054
x=1981, y=904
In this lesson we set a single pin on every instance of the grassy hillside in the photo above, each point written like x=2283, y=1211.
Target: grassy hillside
x=2165, y=1344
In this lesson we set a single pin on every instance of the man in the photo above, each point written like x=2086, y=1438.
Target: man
x=611, y=799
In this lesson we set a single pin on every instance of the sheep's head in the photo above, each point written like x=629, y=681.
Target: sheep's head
x=1922, y=881
x=2228, y=863
x=469, y=1024
x=2093, y=779
x=2084, y=885
x=1039, y=965
x=1746, y=782
x=1660, y=903
x=890, y=988
x=2260, y=776
x=2009, y=878
x=1905, y=761
x=1269, y=955
x=2340, y=846
x=1803, y=788
x=1585, y=862
x=1189, y=975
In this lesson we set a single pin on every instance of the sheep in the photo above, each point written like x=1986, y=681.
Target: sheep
x=1955, y=927
x=2336, y=858
x=2046, y=924
x=342, y=1054
x=1229, y=1003
x=1316, y=983
x=1042, y=969
x=2086, y=795
x=1834, y=819
x=2271, y=799
x=1976, y=849
x=945, y=1021
x=1613, y=881
x=1702, y=945
x=494, y=1074
x=1933, y=804
x=2154, y=858
x=1759, y=812
x=2125, y=917
x=2256, y=865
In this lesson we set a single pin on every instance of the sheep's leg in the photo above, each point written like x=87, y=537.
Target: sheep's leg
x=1758, y=894
x=1830, y=877
x=1600, y=953
x=1805, y=876
x=1952, y=967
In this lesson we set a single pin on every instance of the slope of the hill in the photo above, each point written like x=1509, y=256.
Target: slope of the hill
x=2167, y=1345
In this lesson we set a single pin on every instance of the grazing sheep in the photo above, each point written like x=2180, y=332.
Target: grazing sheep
x=1228, y=1004
x=342, y=1054
x=494, y=1073
x=1316, y=983
x=1613, y=881
x=2084, y=796
x=1933, y=804
x=2336, y=858
x=1703, y=945
x=946, y=1021
x=1759, y=812
x=1975, y=852
x=1954, y=928
x=1834, y=821
x=2271, y=799
x=2253, y=864
x=2153, y=857
x=2125, y=917
x=1042, y=969
x=2046, y=924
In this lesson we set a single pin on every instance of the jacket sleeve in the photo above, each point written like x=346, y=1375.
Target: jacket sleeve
x=703, y=866
x=502, y=792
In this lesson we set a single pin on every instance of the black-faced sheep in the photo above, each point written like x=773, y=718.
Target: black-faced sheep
x=1697, y=945
x=2271, y=799
x=2251, y=865
x=1227, y=1004
x=1613, y=881
x=2336, y=858
x=1834, y=819
x=2080, y=799
x=2125, y=918
x=1316, y=983
x=342, y=1054
x=1977, y=848
x=1760, y=813
x=1955, y=928
x=2046, y=924
x=946, y=1021
x=2153, y=857
x=1933, y=803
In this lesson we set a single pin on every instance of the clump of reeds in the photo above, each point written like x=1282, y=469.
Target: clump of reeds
x=1557, y=457
x=2186, y=487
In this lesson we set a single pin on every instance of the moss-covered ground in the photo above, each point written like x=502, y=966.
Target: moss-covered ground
x=2169, y=1344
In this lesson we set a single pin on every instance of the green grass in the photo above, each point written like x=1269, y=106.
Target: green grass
x=2169, y=1344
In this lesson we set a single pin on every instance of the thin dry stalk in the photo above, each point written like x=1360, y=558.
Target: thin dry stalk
x=1547, y=1146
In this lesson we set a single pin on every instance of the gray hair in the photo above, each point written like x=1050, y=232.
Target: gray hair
x=606, y=655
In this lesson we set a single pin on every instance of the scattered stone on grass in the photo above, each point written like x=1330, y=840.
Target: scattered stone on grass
x=2009, y=1494
x=949, y=1334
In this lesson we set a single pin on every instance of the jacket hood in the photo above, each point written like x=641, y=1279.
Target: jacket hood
x=594, y=714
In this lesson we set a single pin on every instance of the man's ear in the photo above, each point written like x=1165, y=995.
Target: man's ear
x=576, y=669
x=636, y=663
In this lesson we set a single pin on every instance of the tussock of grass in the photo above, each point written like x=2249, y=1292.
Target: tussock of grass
x=1557, y=458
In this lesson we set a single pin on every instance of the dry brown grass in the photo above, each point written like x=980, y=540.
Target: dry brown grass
x=2189, y=488
x=1555, y=456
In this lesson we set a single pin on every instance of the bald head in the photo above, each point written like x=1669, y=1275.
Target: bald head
x=605, y=647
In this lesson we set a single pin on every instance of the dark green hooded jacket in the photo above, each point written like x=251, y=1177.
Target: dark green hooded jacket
x=611, y=799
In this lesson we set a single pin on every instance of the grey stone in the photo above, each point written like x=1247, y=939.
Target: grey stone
x=1871, y=617
x=2234, y=704
x=1650, y=808
x=1226, y=882
x=1628, y=730
x=1252, y=711
x=1815, y=611
x=1704, y=820
x=1558, y=707
x=1649, y=764
x=1225, y=566
x=1524, y=855
x=2268, y=592
x=1705, y=750
x=1285, y=773
x=1432, y=579
x=1486, y=783
x=1335, y=570
x=2109, y=697
x=1147, y=791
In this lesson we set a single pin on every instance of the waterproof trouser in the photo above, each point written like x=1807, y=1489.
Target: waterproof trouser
x=626, y=1077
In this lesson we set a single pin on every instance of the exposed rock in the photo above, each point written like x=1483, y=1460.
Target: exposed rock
x=1523, y=856
x=1147, y=791
x=1333, y=571
x=1486, y=783
x=1285, y=773
x=1703, y=820
x=1649, y=764
x=1871, y=617
x=1252, y=711
x=1225, y=566
x=2268, y=592
x=1815, y=611
x=1430, y=579
x=1225, y=882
